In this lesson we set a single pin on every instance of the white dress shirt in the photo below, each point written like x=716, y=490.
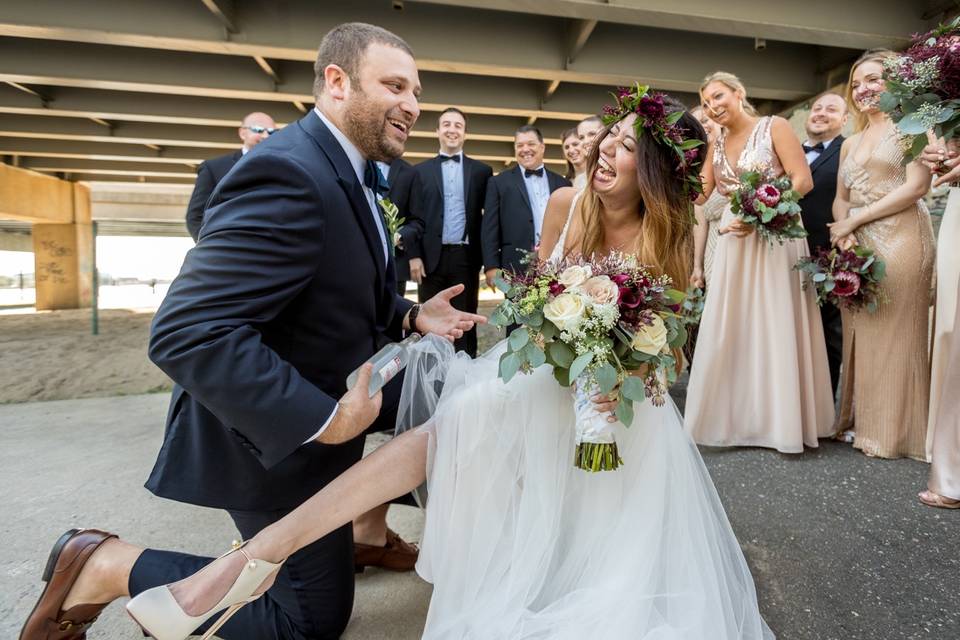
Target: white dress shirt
x=813, y=155
x=538, y=190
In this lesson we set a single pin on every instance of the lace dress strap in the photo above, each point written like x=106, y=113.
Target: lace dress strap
x=557, y=253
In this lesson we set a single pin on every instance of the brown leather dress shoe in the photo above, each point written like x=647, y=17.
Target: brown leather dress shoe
x=396, y=555
x=48, y=621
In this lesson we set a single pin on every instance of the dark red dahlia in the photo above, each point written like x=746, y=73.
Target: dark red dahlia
x=556, y=288
x=652, y=109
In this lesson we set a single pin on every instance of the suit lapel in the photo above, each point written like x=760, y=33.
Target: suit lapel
x=834, y=148
x=467, y=174
x=347, y=179
x=436, y=169
x=522, y=187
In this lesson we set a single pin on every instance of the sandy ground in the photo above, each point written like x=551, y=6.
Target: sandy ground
x=54, y=356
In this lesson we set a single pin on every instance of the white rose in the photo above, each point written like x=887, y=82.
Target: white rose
x=651, y=339
x=601, y=290
x=574, y=276
x=566, y=311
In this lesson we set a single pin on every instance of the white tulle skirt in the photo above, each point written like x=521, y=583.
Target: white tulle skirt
x=519, y=544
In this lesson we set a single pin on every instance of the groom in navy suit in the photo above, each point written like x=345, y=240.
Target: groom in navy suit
x=290, y=287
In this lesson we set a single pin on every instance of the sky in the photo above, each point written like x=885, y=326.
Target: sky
x=120, y=256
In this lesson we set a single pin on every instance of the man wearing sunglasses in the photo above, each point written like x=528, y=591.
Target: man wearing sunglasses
x=256, y=127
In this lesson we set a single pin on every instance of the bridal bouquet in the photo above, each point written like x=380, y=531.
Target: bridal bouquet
x=848, y=278
x=923, y=87
x=604, y=325
x=770, y=206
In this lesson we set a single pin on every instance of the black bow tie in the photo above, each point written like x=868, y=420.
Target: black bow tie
x=817, y=147
x=444, y=158
x=374, y=180
x=533, y=172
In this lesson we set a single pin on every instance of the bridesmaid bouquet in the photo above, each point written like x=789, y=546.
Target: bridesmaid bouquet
x=602, y=324
x=769, y=206
x=923, y=87
x=847, y=278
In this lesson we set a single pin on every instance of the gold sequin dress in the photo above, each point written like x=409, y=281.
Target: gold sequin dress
x=886, y=366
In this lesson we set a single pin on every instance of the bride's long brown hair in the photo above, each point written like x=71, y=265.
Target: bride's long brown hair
x=665, y=241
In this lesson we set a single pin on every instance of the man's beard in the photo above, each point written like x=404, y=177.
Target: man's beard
x=366, y=126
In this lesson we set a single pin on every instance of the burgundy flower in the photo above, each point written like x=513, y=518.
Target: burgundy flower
x=651, y=109
x=628, y=298
x=690, y=155
x=620, y=279
x=768, y=195
x=556, y=288
x=846, y=284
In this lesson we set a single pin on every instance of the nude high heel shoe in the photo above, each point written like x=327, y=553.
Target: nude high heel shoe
x=159, y=614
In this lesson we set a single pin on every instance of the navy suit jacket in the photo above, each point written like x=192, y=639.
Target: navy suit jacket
x=209, y=175
x=816, y=208
x=508, y=228
x=426, y=209
x=286, y=292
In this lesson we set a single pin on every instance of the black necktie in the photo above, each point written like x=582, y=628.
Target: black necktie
x=444, y=158
x=374, y=180
x=533, y=172
x=817, y=147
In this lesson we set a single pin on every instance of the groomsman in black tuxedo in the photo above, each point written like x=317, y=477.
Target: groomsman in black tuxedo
x=827, y=117
x=515, y=204
x=254, y=129
x=442, y=237
x=399, y=175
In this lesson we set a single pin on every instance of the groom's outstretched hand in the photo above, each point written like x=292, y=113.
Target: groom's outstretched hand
x=438, y=316
x=355, y=412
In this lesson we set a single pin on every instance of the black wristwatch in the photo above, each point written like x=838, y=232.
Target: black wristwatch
x=412, y=318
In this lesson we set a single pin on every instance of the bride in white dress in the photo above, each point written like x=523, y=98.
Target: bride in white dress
x=518, y=543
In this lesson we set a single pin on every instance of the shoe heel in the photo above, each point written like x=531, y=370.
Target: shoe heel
x=222, y=620
x=55, y=554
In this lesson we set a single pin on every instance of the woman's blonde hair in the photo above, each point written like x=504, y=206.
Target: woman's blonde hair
x=733, y=83
x=871, y=55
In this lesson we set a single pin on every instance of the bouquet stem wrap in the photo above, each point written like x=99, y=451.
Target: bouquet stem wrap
x=596, y=445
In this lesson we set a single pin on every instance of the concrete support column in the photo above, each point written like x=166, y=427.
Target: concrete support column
x=63, y=255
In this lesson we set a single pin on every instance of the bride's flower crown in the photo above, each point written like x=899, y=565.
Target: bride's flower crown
x=660, y=121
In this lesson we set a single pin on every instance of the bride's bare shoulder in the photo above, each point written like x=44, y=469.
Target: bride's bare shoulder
x=554, y=218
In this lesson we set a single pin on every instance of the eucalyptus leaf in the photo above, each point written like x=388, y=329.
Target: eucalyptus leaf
x=624, y=412
x=519, y=338
x=562, y=354
x=534, y=355
x=501, y=284
x=606, y=377
x=579, y=364
x=548, y=330
x=509, y=365
x=562, y=376
x=912, y=125
x=632, y=388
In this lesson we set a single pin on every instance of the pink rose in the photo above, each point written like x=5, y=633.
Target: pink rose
x=601, y=290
